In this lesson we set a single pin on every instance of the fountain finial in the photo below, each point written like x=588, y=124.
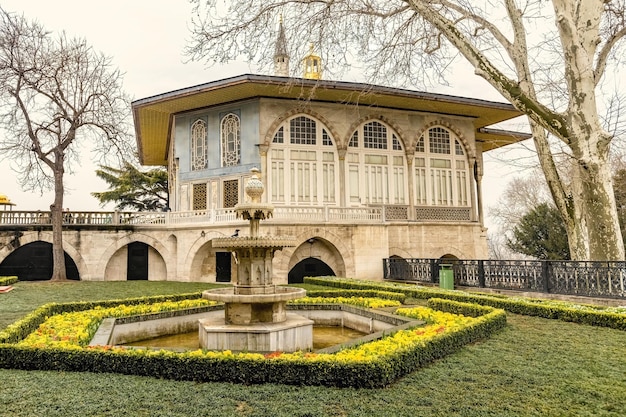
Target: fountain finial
x=254, y=187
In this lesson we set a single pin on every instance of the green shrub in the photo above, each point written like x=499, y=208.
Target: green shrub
x=380, y=371
x=386, y=295
x=17, y=331
x=547, y=309
x=7, y=281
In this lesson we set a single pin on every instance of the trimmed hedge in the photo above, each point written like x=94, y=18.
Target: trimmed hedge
x=7, y=281
x=385, y=295
x=17, y=331
x=529, y=307
x=249, y=369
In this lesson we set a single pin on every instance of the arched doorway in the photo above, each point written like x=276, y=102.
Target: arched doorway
x=136, y=261
x=309, y=267
x=33, y=262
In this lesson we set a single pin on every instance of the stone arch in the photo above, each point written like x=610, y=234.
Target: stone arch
x=469, y=147
x=41, y=236
x=376, y=117
x=269, y=135
x=168, y=263
x=327, y=240
x=400, y=253
x=200, y=254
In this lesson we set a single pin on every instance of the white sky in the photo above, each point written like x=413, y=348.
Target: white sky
x=146, y=38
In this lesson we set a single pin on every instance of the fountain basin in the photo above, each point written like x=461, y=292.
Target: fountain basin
x=127, y=330
x=250, y=304
x=290, y=335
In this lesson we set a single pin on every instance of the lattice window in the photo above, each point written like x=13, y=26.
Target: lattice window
x=354, y=140
x=231, y=140
x=326, y=140
x=279, y=136
x=446, y=214
x=303, y=131
x=374, y=136
x=231, y=193
x=439, y=140
x=199, y=196
x=396, y=213
x=199, y=158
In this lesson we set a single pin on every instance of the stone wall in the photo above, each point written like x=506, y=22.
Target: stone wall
x=187, y=253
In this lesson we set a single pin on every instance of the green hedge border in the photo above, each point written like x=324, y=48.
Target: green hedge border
x=7, y=281
x=386, y=295
x=531, y=307
x=17, y=331
x=377, y=373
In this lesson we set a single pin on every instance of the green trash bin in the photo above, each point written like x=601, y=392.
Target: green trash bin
x=446, y=277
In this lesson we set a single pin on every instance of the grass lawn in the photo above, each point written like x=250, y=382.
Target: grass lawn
x=535, y=367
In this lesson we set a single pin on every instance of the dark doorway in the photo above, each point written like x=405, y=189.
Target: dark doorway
x=309, y=267
x=33, y=262
x=222, y=266
x=137, y=265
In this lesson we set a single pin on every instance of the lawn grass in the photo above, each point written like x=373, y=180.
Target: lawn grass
x=535, y=367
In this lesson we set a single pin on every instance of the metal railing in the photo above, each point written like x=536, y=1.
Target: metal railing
x=585, y=278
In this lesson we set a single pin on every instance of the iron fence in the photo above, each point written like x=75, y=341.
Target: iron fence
x=595, y=279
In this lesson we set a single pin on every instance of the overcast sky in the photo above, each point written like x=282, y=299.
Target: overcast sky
x=146, y=38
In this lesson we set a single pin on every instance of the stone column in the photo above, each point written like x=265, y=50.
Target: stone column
x=341, y=153
x=477, y=196
x=263, y=148
x=410, y=156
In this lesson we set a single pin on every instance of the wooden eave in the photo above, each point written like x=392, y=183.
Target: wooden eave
x=153, y=116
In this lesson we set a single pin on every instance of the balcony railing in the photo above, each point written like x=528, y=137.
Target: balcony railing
x=290, y=214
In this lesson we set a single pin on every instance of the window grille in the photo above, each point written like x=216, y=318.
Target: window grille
x=439, y=140
x=419, y=146
x=302, y=131
x=326, y=140
x=354, y=140
x=458, y=148
x=396, y=143
x=199, y=196
x=374, y=136
x=231, y=140
x=198, y=145
x=279, y=136
x=231, y=193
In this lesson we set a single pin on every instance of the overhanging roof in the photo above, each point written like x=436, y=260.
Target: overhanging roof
x=153, y=116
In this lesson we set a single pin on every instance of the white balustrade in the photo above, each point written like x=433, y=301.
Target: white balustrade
x=291, y=214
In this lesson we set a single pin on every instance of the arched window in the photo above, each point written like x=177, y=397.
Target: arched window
x=231, y=140
x=441, y=170
x=303, y=163
x=375, y=166
x=198, y=145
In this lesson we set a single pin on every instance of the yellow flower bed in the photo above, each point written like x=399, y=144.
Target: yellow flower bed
x=366, y=302
x=75, y=330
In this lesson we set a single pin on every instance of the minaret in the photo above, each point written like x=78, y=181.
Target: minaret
x=312, y=65
x=281, y=56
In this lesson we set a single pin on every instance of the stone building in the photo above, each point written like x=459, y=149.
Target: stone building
x=356, y=172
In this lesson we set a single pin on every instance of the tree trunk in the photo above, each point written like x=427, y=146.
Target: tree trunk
x=598, y=199
x=56, y=212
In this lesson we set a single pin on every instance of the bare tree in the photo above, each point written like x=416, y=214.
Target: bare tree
x=521, y=195
x=547, y=61
x=55, y=93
